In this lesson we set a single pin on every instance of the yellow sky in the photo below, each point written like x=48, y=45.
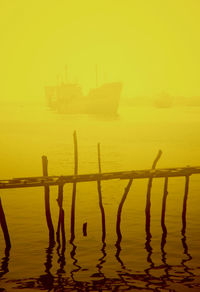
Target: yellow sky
x=149, y=45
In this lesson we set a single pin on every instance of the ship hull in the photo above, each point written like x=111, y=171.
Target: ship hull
x=69, y=99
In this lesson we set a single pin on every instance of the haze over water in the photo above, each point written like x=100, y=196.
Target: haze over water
x=151, y=48
x=127, y=143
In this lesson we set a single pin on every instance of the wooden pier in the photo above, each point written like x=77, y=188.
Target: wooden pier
x=47, y=181
x=40, y=181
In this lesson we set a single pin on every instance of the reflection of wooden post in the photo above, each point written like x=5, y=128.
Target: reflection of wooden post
x=103, y=220
x=74, y=188
x=4, y=226
x=62, y=217
x=47, y=203
x=4, y=262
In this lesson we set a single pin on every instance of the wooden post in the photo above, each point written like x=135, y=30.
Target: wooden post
x=156, y=159
x=118, y=230
x=60, y=203
x=61, y=224
x=75, y=154
x=103, y=220
x=99, y=157
x=185, y=205
x=147, y=212
x=4, y=227
x=85, y=229
x=148, y=201
x=47, y=203
x=74, y=188
x=164, y=229
x=126, y=191
x=165, y=193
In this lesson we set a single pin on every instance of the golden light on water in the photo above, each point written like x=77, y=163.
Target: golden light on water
x=151, y=47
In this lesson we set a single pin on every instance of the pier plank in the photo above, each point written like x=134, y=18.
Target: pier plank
x=40, y=181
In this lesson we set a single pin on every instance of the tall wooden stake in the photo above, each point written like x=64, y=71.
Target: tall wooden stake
x=47, y=203
x=164, y=206
x=4, y=226
x=147, y=212
x=148, y=201
x=126, y=191
x=100, y=198
x=164, y=228
x=74, y=188
x=185, y=205
x=118, y=230
x=60, y=204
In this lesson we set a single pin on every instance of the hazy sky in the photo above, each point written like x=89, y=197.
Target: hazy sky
x=149, y=45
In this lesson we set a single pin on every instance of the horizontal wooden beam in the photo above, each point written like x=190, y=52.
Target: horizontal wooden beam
x=135, y=174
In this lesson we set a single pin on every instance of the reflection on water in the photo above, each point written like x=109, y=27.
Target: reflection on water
x=125, y=278
x=123, y=254
x=47, y=280
x=4, y=263
x=183, y=232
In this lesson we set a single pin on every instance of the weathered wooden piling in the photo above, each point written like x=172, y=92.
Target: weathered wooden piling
x=85, y=229
x=183, y=231
x=185, y=205
x=61, y=214
x=103, y=220
x=118, y=223
x=61, y=226
x=164, y=228
x=4, y=226
x=126, y=191
x=47, y=181
x=74, y=187
x=99, y=157
x=47, y=202
x=148, y=199
x=148, y=212
x=165, y=193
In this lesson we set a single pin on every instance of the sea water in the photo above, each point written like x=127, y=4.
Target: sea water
x=163, y=262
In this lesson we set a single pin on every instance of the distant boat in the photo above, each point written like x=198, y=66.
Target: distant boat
x=68, y=98
x=163, y=100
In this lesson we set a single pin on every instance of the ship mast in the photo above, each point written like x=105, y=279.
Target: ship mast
x=96, y=76
x=65, y=74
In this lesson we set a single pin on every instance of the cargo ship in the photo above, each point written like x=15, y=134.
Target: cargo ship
x=68, y=98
